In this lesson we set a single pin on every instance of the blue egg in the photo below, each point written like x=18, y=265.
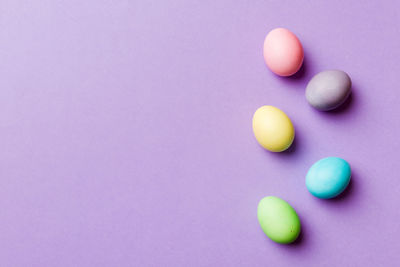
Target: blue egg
x=328, y=177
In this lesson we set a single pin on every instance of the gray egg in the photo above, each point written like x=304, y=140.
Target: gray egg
x=328, y=89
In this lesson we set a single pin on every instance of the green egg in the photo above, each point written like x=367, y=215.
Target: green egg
x=278, y=220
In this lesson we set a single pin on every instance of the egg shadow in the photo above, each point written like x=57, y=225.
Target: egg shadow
x=349, y=194
x=294, y=148
x=349, y=104
x=299, y=75
x=291, y=155
x=301, y=238
x=284, y=156
x=299, y=242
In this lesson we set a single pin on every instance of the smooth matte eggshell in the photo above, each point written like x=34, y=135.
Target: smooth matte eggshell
x=283, y=52
x=273, y=129
x=328, y=177
x=329, y=89
x=278, y=220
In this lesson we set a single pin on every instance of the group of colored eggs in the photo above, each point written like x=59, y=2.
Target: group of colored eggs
x=274, y=131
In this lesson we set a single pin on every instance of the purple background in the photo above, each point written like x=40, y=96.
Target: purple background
x=126, y=135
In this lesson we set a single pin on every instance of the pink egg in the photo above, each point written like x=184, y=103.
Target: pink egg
x=283, y=52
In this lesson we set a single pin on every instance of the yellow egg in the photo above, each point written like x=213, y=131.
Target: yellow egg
x=273, y=128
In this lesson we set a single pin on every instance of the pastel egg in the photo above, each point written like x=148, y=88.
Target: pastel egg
x=328, y=177
x=273, y=129
x=283, y=52
x=328, y=89
x=278, y=220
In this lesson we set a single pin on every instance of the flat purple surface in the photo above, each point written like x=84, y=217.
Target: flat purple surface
x=126, y=135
